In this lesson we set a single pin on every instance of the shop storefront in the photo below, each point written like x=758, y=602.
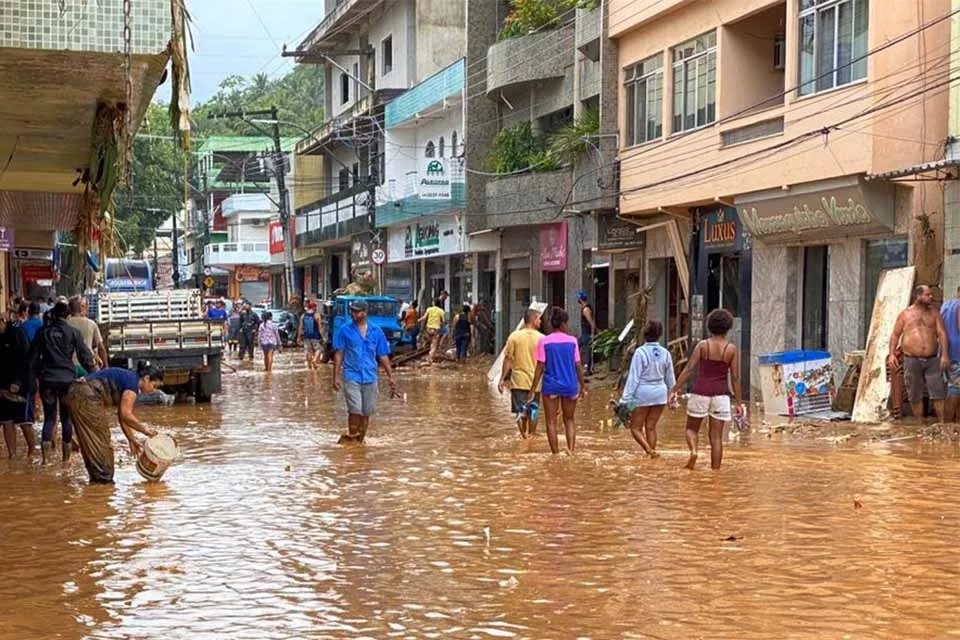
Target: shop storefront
x=617, y=268
x=426, y=257
x=816, y=256
x=251, y=283
x=553, y=262
x=721, y=277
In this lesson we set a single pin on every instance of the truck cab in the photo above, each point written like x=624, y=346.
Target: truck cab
x=382, y=313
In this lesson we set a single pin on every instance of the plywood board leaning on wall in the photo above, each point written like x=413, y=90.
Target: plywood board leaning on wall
x=873, y=392
x=493, y=376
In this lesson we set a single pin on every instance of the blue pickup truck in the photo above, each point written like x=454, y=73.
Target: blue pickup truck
x=383, y=313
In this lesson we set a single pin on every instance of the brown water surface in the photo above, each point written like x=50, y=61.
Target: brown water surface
x=446, y=525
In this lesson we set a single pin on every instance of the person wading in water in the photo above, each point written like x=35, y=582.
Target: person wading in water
x=920, y=333
x=519, y=367
x=588, y=328
x=360, y=349
x=717, y=362
x=51, y=357
x=309, y=335
x=88, y=400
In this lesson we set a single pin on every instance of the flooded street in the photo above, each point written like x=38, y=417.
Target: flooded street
x=446, y=525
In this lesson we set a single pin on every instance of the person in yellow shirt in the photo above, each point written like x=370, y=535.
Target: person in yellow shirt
x=434, y=318
x=519, y=364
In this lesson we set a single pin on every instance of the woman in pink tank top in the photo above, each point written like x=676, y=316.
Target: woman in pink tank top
x=717, y=362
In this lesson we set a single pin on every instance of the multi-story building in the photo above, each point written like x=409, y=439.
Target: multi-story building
x=762, y=146
x=245, y=252
x=63, y=68
x=373, y=149
x=229, y=165
x=529, y=86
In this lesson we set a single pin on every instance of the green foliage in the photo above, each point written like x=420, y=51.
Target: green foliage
x=298, y=97
x=527, y=16
x=156, y=182
x=606, y=343
x=573, y=140
x=513, y=149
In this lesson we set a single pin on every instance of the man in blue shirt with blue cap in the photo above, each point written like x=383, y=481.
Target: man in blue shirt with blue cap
x=950, y=312
x=360, y=349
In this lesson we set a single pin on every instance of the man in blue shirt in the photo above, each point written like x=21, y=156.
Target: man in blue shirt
x=33, y=322
x=359, y=348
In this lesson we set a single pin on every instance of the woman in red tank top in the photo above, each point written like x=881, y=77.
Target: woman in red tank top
x=717, y=362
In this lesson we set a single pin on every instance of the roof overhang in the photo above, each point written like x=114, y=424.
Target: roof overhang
x=940, y=169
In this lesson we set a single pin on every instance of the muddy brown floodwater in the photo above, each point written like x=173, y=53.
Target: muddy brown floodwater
x=445, y=525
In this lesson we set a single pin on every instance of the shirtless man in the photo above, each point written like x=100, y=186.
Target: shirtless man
x=923, y=338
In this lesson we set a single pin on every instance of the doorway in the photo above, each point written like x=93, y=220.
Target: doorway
x=814, y=322
x=554, y=285
x=601, y=294
x=334, y=272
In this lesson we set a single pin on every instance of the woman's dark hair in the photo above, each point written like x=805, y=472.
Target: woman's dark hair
x=465, y=308
x=147, y=369
x=437, y=302
x=558, y=318
x=267, y=316
x=652, y=331
x=719, y=322
x=60, y=311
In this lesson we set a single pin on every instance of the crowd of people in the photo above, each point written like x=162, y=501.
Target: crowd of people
x=58, y=357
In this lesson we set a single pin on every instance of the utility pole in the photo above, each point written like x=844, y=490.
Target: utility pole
x=280, y=175
x=176, y=254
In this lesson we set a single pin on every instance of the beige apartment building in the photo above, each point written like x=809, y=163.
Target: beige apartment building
x=796, y=148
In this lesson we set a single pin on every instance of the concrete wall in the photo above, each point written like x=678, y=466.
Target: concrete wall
x=406, y=150
x=748, y=44
x=398, y=22
x=441, y=35
x=522, y=199
x=529, y=58
x=333, y=87
x=308, y=184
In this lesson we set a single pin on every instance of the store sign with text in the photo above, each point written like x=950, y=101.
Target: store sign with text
x=720, y=230
x=6, y=239
x=824, y=214
x=614, y=232
x=435, y=180
x=276, y=238
x=553, y=247
x=425, y=239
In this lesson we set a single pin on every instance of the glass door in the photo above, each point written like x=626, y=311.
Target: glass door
x=814, y=322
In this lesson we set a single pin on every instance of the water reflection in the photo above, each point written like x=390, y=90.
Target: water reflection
x=445, y=524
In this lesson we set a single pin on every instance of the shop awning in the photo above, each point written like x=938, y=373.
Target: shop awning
x=918, y=169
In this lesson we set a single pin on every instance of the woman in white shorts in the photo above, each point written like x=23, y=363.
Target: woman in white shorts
x=717, y=362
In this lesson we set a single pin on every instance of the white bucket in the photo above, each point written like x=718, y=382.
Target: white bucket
x=158, y=454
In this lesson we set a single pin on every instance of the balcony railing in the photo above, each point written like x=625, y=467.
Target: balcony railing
x=232, y=253
x=336, y=217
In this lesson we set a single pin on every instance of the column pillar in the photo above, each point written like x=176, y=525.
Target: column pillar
x=475, y=279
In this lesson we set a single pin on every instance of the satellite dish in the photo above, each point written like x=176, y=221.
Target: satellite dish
x=93, y=262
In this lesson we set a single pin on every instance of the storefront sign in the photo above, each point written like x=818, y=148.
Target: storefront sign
x=276, y=238
x=553, y=247
x=6, y=239
x=360, y=256
x=36, y=272
x=841, y=211
x=720, y=230
x=432, y=237
x=616, y=233
x=435, y=180
x=246, y=273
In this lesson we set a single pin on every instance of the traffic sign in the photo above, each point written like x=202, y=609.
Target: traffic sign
x=208, y=282
x=378, y=256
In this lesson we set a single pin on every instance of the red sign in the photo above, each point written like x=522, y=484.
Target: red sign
x=553, y=247
x=34, y=272
x=276, y=238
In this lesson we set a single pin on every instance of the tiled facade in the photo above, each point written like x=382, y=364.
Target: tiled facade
x=84, y=25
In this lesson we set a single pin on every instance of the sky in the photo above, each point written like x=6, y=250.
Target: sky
x=244, y=37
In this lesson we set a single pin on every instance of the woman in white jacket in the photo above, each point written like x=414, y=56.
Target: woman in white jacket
x=645, y=392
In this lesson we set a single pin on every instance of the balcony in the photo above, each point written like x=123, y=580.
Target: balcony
x=236, y=253
x=530, y=58
x=247, y=203
x=439, y=92
x=334, y=219
x=59, y=69
x=589, y=24
x=525, y=199
x=347, y=125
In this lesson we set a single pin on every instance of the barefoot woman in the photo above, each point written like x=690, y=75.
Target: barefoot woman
x=717, y=362
x=560, y=369
x=645, y=392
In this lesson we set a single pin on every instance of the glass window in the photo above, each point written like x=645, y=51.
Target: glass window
x=453, y=145
x=814, y=309
x=431, y=150
x=695, y=82
x=881, y=255
x=644, y=93
x=441, y=147
x=833, y=43
x=344, y=88
x=386, y=54
x=343, y=179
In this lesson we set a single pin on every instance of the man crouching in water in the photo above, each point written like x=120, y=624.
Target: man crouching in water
x=926, y=354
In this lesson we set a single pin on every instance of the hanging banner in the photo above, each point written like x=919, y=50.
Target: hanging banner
x=425, y=239
x=6, y=239
x=553, y=247
x=276, y=238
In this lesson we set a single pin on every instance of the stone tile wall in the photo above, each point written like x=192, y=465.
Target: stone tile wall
x=84, y=25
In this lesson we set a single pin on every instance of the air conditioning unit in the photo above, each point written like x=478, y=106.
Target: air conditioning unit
x=779, y=52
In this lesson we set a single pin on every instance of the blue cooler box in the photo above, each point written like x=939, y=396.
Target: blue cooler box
x=797, y=382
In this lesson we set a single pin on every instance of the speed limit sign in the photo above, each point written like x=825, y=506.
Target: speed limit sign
x=378, y=256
